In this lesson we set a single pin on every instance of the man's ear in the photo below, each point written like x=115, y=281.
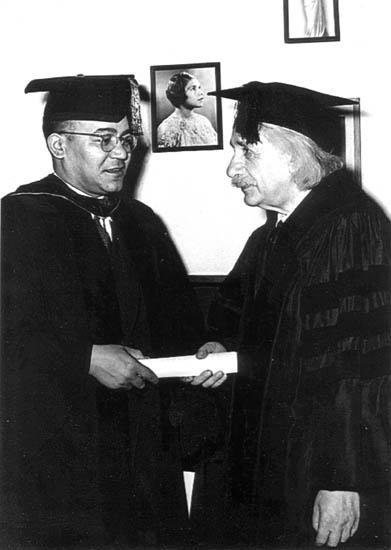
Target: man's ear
x=56, y=145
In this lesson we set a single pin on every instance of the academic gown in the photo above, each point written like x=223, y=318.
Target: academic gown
x=307, y=306
x=82, y=463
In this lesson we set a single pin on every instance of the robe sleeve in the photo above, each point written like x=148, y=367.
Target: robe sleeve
x=345, y=353
x=226, y=309
x=45, y=350
x=175, y=318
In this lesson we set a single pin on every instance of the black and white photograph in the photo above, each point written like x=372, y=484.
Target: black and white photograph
x=311, y=21
x=196, y=347
x=184, y=117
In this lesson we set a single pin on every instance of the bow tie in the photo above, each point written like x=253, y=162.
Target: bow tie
x=102, y=207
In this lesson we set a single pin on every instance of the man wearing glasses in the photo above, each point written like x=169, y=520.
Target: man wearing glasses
x=91, y=284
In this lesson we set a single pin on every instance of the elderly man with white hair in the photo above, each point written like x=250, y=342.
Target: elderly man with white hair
x=307, y=308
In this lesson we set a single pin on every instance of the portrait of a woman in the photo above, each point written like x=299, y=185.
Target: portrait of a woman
x=311, y=20
x=184, y=127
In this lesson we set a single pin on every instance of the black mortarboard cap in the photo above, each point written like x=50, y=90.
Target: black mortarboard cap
x=105, y=98
x=306, y=111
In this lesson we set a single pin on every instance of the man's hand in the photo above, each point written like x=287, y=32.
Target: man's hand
x=210, y=347
x=116, y=367
x=207, y=379
x=335, y=516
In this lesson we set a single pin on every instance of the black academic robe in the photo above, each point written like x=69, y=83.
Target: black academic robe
x=82, y=463
x=307, y=306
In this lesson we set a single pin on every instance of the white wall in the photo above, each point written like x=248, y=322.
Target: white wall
x=206, y=217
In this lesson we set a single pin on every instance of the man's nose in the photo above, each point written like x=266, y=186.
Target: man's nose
x=233, y=167
x=119, y=151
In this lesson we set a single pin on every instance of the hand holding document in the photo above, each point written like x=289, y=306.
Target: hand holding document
x=189, y=365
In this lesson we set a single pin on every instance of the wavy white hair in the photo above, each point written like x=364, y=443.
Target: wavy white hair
x=310, y=163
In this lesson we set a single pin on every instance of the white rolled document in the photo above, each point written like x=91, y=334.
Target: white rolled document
x=189, y=365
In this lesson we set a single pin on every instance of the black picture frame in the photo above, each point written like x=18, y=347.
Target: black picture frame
x=297, y=29
x=208, y=74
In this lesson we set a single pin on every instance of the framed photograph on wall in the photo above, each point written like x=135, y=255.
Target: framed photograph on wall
x=184, y=117
x=349, y=147
x=311, y=21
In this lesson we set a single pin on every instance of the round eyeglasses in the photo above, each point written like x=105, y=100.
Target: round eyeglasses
x=108, y=142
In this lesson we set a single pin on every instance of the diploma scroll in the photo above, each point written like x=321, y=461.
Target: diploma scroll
x=189, y=365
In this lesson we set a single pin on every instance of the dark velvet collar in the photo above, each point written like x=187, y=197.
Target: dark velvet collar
x=54, y=187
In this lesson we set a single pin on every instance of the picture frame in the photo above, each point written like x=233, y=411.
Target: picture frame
x=350, y=131
x=194, y=121
x=311, y=21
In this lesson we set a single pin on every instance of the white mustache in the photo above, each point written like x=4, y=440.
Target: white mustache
x=240, y=182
